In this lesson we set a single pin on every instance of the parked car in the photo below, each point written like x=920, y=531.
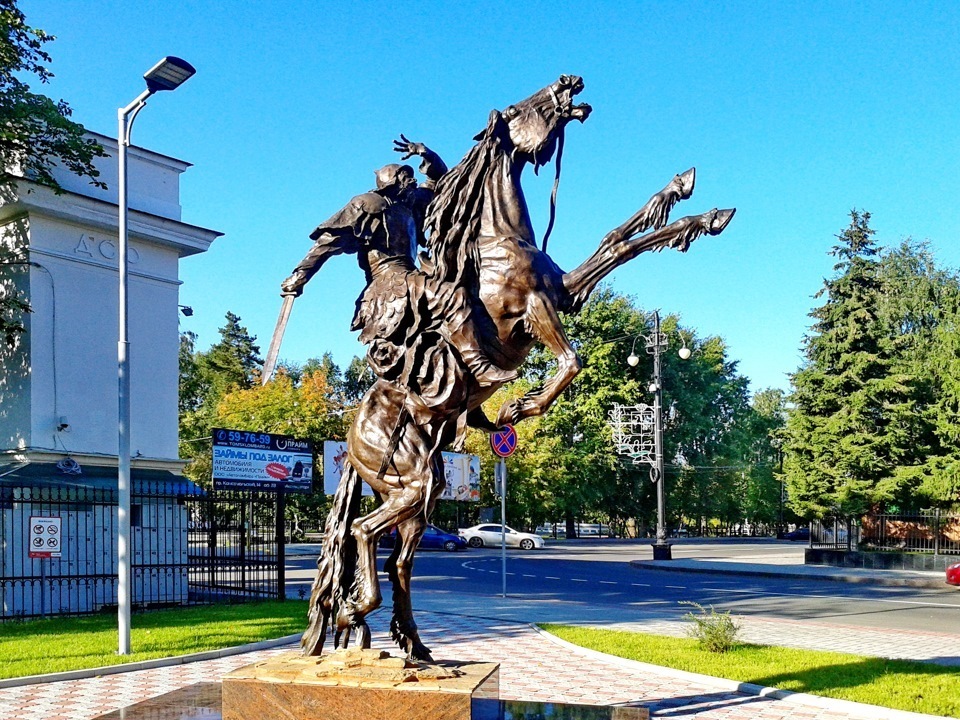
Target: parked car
x=490, y=535
x=433, y=539
x=798, y=534
x=953, y=574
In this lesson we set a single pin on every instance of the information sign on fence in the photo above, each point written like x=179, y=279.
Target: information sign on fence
x=245, y=460
x=44, y=541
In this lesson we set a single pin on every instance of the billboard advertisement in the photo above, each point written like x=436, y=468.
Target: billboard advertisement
x=244, y=460
x=334, y=454
x=462, y=473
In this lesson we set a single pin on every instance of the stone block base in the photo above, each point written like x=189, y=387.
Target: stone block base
x=354, y=683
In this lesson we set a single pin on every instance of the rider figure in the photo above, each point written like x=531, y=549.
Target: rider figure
x=384, y=227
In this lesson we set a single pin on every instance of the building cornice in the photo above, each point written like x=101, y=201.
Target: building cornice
x=27, y=198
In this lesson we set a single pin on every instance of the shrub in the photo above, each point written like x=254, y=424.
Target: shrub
x=713, y=631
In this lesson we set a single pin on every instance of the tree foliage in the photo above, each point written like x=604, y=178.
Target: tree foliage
x=871, y=424
x=565, y=469
x=36, y=134
x=220, y=387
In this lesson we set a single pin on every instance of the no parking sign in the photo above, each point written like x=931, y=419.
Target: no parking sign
x=44, y=540
x=504, y=441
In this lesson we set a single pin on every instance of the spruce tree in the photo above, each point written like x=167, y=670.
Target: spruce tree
x=854, y=420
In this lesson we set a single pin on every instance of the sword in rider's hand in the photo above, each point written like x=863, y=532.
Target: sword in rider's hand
x=270, y=364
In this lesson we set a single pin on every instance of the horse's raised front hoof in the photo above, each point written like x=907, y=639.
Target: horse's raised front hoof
x=514, y=411
x=720, y=220
x=685, y=183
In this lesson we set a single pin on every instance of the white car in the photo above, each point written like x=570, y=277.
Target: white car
x=489, y=535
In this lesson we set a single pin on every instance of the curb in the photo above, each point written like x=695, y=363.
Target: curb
x=718, y=569
x=860, y=710
x=147, y=664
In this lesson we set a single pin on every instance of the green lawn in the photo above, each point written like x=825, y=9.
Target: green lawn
x=44, y=646
x=905, y=685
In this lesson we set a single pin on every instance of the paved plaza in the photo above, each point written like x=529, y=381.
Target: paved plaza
x=537, y=667
x=533, y=668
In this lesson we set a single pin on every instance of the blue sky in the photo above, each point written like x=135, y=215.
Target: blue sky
x=793, y=113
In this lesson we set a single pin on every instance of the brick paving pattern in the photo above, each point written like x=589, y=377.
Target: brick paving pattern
x=532, y=668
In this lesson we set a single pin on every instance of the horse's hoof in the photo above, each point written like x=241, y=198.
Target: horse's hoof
x=420, y=653
x=508, y=414
x=720, y=220
x=686, y=182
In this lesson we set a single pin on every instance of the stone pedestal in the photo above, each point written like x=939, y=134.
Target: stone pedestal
x=354, y=683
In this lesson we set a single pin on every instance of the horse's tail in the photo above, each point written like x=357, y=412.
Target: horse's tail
x=336, y=565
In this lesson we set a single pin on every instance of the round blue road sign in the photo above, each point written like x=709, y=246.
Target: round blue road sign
x=504, y=441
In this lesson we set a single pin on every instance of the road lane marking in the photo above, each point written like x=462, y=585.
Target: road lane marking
x=578, y=580
x=551, y=577
x=640, y=584
x=676, y=587
x=607, y=582
x=525, y=575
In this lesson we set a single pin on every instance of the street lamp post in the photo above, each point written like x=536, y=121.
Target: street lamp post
x=655, y=343
x=168, y=74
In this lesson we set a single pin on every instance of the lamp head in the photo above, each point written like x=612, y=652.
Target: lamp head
x=633, y=360
x=684, y=353
x=168, y=74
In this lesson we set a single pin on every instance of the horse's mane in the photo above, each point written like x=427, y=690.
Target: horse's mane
x=453, y=217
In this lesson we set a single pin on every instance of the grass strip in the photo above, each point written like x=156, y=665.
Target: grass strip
x=37, y=647
x=900, y=684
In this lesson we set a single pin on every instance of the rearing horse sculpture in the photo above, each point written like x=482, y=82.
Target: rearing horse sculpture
x=480, y=239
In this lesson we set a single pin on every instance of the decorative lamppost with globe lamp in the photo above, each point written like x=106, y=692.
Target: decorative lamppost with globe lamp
x=633, y=427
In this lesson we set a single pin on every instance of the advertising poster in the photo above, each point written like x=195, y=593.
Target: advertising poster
x=462, y=473
x=334, y=453
x=245, y=460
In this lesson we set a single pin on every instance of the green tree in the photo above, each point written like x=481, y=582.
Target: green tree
x=205, y=378
x=921, y=307
x=857, y=412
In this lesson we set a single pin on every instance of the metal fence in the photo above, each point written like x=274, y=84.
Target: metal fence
x=835, y=533
x=187, y=546
x=933, y=532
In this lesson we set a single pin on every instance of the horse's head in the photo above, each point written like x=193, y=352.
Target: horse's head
x=536, y=123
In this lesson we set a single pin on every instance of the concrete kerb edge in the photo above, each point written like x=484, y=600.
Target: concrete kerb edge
x=848, y=706
x=148, y=664
x=671, y=566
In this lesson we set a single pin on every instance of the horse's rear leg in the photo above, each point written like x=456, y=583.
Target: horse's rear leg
x=365, y=595
x=399, y=569
x=544, y=324
x=580, y=282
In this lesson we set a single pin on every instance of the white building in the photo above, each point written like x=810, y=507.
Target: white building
x=58, y=384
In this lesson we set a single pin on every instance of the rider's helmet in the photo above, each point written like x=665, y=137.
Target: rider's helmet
x=389, y=175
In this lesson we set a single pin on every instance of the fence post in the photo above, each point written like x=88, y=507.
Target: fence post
x=281, y=532
x=936, y=531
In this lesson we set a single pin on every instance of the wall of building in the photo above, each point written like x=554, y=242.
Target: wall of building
x=64, y=370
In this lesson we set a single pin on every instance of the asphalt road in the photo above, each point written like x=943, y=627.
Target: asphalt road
x=597, y=575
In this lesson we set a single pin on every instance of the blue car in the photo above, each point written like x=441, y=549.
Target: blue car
x=433, y=539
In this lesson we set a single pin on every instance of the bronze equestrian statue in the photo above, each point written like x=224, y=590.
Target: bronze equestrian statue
x=442, y=338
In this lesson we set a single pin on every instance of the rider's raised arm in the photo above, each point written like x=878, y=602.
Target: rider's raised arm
x=431, y=166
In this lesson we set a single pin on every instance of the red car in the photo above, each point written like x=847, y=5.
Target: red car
x=953, y=574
